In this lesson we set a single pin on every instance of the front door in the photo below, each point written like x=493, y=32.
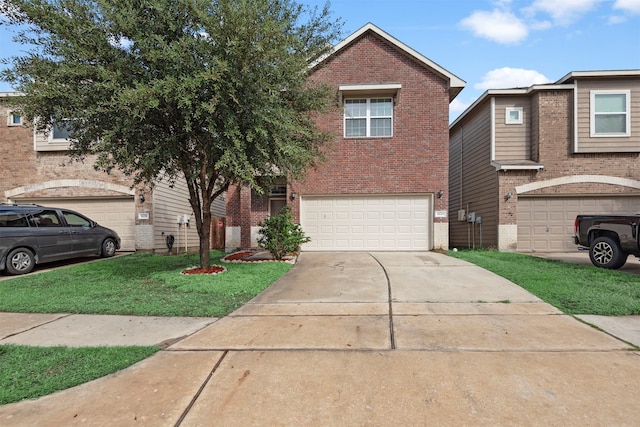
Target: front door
x=276, y=205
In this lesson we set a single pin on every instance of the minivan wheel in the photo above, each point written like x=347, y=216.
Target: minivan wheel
x=606, y=252
x=20, y=261
x=108, y=248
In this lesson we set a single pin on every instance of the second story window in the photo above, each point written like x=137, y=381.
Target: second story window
x=15, y=119
x=610, y=113
x=370, y=117
x=59, y=133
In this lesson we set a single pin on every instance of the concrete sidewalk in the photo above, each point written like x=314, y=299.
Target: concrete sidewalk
x=369, y=339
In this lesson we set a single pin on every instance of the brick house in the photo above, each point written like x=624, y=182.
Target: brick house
x=524, y=162
x=36, y=169
x=382, y=185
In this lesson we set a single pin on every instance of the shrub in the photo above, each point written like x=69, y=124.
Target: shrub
x=280, y=235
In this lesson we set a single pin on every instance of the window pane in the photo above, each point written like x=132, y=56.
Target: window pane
x=355, y=108
x=60, y=132
x=75, y=221
x=611, y=123
x=16, y=119
x=381, y=107
x=46, y=219
x=11, y=219
x=611, y=103
x=356, y=127
x=380, y=127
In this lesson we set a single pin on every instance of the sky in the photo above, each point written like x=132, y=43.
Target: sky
x=492, y=44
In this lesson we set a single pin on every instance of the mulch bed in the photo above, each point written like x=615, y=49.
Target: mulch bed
x=239, y=256
x=243, y=256
x=214, y=269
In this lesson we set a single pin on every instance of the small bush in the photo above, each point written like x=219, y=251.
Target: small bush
x=280, y=235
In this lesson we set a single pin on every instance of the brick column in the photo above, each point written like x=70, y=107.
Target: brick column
x=245, y=217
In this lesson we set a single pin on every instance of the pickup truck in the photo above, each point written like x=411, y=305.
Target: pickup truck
x=610, y=239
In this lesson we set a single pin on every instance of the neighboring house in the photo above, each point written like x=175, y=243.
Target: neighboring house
x=36, y=168
x=524, y=162
x=383, y=186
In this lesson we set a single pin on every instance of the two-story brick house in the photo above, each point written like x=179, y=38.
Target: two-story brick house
x=524, y=162
x=36, y=168
x=383, y=186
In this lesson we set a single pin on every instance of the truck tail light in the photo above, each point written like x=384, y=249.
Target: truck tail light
x=575, y=227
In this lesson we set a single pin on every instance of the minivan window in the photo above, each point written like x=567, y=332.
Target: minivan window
x=74, y=220
x=13, y=219
x=46, y=218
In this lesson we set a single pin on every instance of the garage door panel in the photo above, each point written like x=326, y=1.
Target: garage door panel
x=366, y=222
x=545, y=224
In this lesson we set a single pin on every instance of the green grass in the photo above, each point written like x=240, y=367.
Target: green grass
x=572, y=288
x=140, y=284
x=137, y=284
x=32, y=372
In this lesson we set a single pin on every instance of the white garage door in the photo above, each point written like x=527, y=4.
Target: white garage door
x=117, y=214
x=366, y=223
x=545, y=224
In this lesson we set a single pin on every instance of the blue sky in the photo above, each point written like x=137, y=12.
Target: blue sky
x=506, y=43
x=494, y=44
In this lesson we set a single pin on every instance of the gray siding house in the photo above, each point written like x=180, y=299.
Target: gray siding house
x=524, y=162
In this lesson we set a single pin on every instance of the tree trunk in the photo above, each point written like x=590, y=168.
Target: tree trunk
x=205, y=236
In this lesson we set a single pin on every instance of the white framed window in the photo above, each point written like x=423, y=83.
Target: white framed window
x=59, y=133
x=610, y=115
x=14, y=119
x=368, y=117
x=513, y=116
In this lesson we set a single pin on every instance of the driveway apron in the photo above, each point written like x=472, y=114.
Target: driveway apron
x=414, y=338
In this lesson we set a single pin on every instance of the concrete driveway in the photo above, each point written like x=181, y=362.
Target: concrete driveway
x=370, y=339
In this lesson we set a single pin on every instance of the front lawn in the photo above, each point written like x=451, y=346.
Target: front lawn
x=32, y=372
x=140, y=284
x=137, y=284
x=572, y=288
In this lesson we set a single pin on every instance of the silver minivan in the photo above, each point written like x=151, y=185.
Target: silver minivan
x=34, y=234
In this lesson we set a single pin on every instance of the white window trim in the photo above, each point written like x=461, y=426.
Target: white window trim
x=368, y=117
x=507, y=116
x=592, y=113
x=10, y=117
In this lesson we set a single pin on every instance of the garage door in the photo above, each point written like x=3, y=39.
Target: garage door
x=366, y=223
x=117, y=214
x=546, y=224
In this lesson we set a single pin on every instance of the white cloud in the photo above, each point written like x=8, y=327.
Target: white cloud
x=564, y=12
x=632, y=6
x=498, y=26
x=457, y=107
x=507, y=78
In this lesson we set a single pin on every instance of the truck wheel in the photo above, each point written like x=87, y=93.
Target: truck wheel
x=20, y=261
x=606, y=252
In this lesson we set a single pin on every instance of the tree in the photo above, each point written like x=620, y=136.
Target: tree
x=215, y=91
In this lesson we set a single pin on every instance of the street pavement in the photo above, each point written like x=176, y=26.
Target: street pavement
x=353, y=339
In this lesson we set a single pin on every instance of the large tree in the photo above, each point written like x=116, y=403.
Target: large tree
x=215, y=91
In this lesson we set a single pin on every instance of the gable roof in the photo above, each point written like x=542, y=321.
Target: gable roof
x=456, y=84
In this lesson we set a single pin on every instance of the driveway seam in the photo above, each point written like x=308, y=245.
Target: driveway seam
x=199, y=392
x=390, y=302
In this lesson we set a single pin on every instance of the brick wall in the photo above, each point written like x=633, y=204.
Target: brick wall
x=415, y=159
x=22, y=166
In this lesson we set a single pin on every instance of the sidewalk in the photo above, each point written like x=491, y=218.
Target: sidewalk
x=369, y=339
